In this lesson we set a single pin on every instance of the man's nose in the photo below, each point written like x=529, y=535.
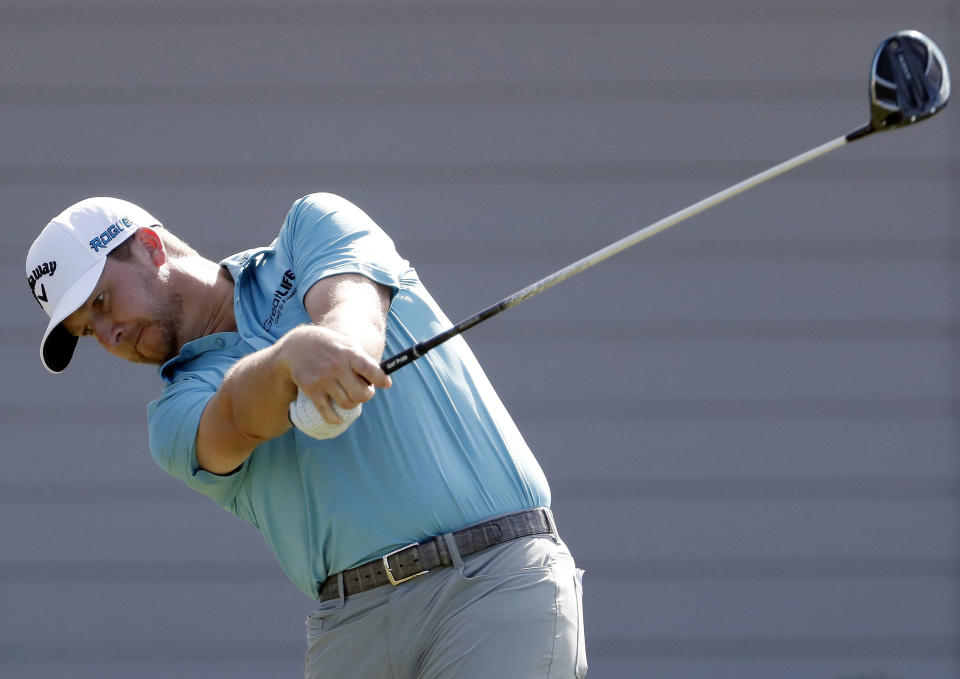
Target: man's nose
x=109, y=334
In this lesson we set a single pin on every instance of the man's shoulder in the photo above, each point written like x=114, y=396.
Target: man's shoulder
x=323, y=198
x=318, y=205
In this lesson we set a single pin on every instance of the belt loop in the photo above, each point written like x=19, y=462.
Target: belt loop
x=553, y=524
x=451, y=544
x=341, y=600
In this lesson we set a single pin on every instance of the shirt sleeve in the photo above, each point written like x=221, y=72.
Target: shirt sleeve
x=325, y=235
x=173, y=421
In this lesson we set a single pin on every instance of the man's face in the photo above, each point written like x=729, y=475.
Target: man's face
x=133, y=311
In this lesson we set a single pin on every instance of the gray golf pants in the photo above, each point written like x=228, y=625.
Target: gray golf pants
x=512, y=611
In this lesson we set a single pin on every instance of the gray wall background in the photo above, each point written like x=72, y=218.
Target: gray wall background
x=749, y=422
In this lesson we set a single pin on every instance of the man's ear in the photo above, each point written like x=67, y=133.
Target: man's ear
x=153, y=245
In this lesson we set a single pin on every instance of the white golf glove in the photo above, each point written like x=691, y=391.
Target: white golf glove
x=308, y=419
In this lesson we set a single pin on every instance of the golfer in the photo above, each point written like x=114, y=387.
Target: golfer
x=423, y=526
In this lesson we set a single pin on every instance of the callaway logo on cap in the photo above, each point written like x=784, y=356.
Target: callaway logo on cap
x=65, y=263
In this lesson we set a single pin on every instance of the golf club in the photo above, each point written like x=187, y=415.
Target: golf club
x=909, y=82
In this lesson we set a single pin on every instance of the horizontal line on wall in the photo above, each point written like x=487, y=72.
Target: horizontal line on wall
x=756, y=489
x=745, y=251
x=734, y=409
x=663, y=489
x=610, y=570
x=612, y=410
x=110, y=15
x=793, y=648
x=119, y=571
x=238, y=175
x=739, y=250
x=97, y=492
x=525, y=330
x=211, y=652
x=22, y=414
x=752, y=569
x=138, y=95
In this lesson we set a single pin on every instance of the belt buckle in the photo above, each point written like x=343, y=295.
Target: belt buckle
x=386, y=566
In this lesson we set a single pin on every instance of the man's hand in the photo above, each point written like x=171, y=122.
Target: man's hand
x=329, y=366
x=335, y=358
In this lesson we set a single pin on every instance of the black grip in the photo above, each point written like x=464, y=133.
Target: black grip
x=397, y=361
x=411, y=354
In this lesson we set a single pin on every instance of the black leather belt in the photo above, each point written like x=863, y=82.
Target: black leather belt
x=418, y=558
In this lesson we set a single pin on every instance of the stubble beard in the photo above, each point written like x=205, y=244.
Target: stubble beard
x=167, y=313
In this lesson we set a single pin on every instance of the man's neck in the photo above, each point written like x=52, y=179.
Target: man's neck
x=211, y=289
x=222, y=318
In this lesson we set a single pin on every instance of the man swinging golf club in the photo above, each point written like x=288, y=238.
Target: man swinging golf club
x=423, y=527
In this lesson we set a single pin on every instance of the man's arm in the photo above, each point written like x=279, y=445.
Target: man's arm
x=336, y=358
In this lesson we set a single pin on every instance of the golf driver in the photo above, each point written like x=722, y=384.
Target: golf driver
x=909, y=82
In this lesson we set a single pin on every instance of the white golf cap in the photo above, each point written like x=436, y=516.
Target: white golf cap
x=65, y=263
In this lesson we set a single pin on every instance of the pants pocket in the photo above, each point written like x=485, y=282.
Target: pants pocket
x=320, y=619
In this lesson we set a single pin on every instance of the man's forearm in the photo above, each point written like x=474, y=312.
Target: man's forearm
x=256, y=392
x=248, y=409
x=333, y=359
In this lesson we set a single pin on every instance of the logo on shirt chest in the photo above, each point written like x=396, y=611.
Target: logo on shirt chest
x=283, y=294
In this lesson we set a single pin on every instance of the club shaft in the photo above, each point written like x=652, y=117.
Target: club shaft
x=412, y=353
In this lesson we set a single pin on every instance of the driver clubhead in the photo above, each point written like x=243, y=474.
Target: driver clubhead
x=909, y=81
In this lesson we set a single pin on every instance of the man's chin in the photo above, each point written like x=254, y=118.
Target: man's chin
x=147, y=360
x=156, y=360
x=137, y=356
x=168, y=348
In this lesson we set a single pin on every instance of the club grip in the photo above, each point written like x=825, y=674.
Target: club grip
x=397, y=361
x=411, y=354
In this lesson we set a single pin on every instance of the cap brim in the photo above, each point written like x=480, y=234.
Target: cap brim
x=58, y=345
x=58, y=348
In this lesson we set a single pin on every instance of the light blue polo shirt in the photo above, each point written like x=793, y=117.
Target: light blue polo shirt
x=435, y=452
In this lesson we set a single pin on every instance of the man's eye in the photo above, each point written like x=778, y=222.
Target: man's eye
x=98, y=302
